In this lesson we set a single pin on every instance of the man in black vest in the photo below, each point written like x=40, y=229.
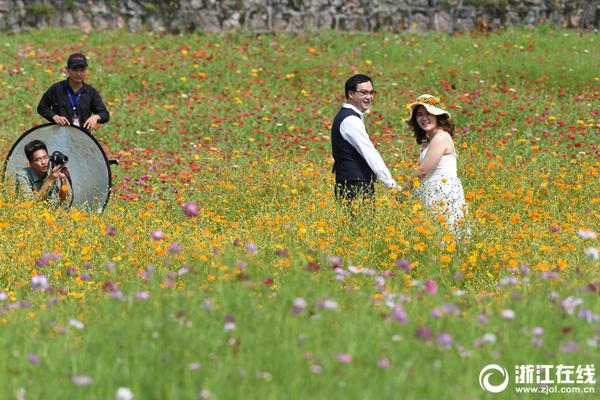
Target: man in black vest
x=357, y=164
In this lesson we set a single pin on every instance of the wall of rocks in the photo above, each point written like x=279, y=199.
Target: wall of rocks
x=261, y=16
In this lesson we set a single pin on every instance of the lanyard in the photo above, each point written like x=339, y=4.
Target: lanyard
x=73, y=103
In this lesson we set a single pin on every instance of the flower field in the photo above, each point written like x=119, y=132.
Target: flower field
x=222, y=267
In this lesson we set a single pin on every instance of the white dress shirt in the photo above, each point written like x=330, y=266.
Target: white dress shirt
x=354, y=132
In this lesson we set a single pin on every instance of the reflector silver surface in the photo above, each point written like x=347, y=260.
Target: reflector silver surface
x=88, y=165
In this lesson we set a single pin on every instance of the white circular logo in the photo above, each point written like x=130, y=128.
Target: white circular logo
x=484, y=378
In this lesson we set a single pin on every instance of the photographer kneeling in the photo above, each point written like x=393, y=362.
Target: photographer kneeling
x=43, y=180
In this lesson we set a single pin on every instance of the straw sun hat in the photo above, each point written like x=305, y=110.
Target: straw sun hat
x=432, y=104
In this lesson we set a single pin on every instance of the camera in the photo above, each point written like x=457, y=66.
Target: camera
x=58, y=158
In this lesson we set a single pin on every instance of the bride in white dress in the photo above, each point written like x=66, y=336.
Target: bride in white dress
x=435, y=181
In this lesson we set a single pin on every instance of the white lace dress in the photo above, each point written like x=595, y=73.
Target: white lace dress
x=442, y=191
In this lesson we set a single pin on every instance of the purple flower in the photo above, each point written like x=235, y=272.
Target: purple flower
x=110, y=231
x=444, y=339
x=45, y=260
x=3, y=296
x=85, y=277
x=344, y=358
x=508, y=280
x=142, y=295
x=175, y=248
x=569, y=347
x=195, y=365
x=190, y=209
x=482, y=319
x=157, y=235
x=436, y=312
x=251, y=248
x=34, y=359
x=400, y=314
x=281, y=252
x=39, y=282
x=588, y=315
x=554, y=229
x=424, y=333
x=335, y=262
x=404, y=264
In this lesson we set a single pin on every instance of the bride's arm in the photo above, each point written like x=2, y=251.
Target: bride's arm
x=436, y=150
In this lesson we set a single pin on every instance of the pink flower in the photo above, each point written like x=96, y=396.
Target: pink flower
x=383, y=362
x=344, y=358
x=190, y=209
x=431, y=286
x=315, y=369
x=157, y=235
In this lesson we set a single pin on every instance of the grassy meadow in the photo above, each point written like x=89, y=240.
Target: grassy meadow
x=222, y=267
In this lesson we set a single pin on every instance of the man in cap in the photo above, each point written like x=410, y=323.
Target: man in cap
x=72, y=101
x=357, y=164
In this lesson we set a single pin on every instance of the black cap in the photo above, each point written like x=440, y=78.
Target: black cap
x=76, y=60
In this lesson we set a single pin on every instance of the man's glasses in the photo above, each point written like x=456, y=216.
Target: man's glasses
x=366, y=92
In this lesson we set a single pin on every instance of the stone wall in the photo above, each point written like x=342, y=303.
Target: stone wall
x=261, y=16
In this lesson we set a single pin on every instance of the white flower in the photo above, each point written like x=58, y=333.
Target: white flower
x=592, y=253
x=488, y=338
x=76, y=323
x=229, y=326
x=330, y=305
x=124, y=393
x=587, y=234
x=508, y=314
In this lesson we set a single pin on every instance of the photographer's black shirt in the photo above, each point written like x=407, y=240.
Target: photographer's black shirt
x=87, y=102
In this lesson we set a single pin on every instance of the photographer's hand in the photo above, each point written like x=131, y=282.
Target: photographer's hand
x=91, y=122
x=61, y=120
x=54, y=174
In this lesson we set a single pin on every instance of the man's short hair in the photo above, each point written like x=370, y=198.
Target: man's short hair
x=353, y=81
x=34, y=146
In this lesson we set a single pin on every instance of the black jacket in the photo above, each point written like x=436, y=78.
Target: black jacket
x=56, y=101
